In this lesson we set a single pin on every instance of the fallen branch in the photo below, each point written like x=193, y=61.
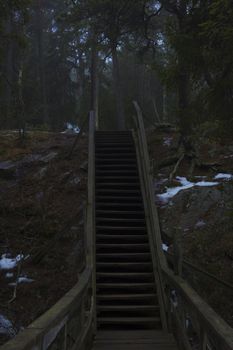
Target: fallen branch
x=167, y=162
x=176, y=167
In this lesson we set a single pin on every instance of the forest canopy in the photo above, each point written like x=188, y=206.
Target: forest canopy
x=174, y=57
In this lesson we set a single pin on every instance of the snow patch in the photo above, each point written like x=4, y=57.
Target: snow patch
x=6, y=326
x=7, y=263
x=200, y=224
x=206, y=184
x=185, y=184
x=167, y=141
x=165, y=247
x=9, y=275
x=71, y=128
x=222, y=176
x=21, y=279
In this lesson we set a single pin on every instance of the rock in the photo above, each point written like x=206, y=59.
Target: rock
x=75, y=181
x=48, y=157
x=41, y=173
x=8, y=169
x=196, y=204
x=84, y=166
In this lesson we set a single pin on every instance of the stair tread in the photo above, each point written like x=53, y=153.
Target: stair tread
x=118, y=255
x=119, y=220
x=122, y=285
x=126, y=228
x=126, y=296
x=128, y=319
x=123, y=212
x=122, y=236
x=113, y=184
x=127, y=307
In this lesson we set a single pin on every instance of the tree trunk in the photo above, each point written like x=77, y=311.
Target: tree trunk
x=94, y=80
x=9, y=76
x=183, y=77
x=118, y=90
x=41, y=65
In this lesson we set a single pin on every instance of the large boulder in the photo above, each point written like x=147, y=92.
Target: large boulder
x=196, y=207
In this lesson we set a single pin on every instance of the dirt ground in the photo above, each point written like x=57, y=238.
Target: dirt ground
x=204, y=215
x=41, y=217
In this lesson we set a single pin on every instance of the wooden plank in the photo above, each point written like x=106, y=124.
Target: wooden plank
x=134, y=346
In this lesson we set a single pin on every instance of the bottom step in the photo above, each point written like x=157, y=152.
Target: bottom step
x=129, y=322
x=131, y=340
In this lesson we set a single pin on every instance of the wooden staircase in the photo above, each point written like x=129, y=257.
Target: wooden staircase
x=125, y=286
x=126, y=291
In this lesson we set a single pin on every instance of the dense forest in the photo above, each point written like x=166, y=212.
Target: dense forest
x=173, y=57
x=121, y=211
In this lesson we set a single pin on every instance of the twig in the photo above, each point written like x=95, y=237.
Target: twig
x=77, y=138
x=176, y=167
x=17, y=280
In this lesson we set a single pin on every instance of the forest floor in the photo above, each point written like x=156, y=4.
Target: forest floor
x=41, y=206
x=41, y=202
x=201, y=209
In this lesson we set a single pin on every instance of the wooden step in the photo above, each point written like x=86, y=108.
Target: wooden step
x=124, y=256
x=121, y=160
x=119, y=166
x=116, y=286
x=121, y=222
x=117, y=198
x=134, y=340
x=121, y=228
x=153, y=308
x=123, y=247
x=129, y=320
x=126, y=276
x=124, y=266
x=132, y=297
x=122, y=238
x=118, y=179
x=120, y=206
x=118, y=184
x=115, y=155
x=119, y=212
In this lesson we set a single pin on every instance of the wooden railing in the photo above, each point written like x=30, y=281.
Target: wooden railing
x=70, y=323
x=194, y=323
x=150, y=210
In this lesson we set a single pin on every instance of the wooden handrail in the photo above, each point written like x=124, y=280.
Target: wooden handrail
x=71, y=321
x=150, y=211
x=91, y=255
x=190, y=317
x=188, y=265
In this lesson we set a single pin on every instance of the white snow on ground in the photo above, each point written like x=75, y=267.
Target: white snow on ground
x=185, y=184
x=222, y=176
x=200, y=224
x=6, y=326
x=22, y=279
x=167, y=141
x=70, y=128
x=7, y=263
x=206, y=183
x=9, y=275
x=165, y=247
